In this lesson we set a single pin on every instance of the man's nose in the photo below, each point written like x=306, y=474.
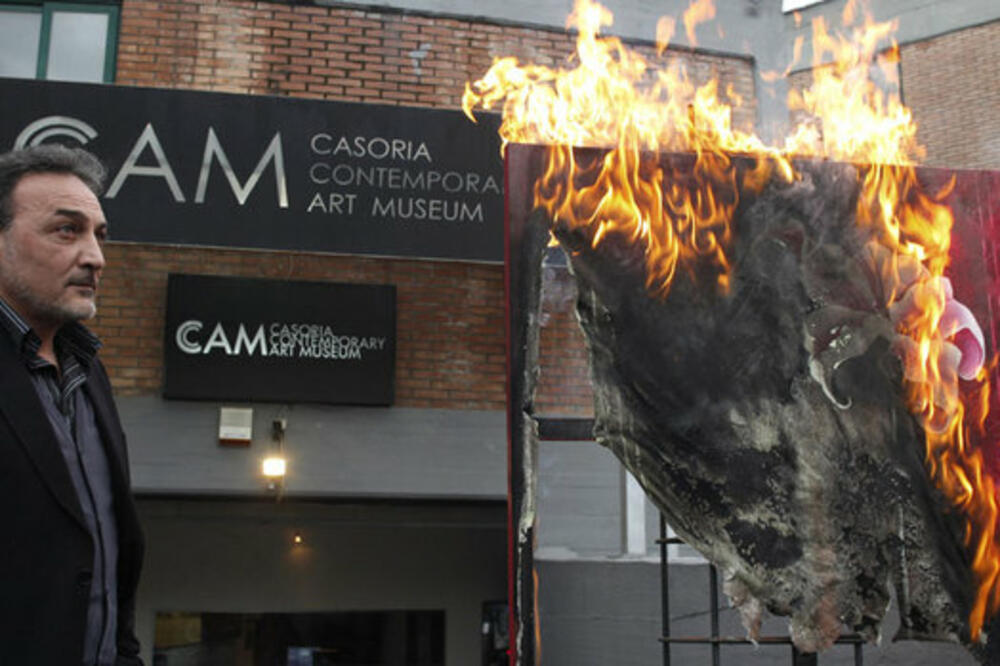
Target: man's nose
x=92, y=254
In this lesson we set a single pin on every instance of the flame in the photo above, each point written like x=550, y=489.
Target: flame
x=613, y=97
x=697, y=12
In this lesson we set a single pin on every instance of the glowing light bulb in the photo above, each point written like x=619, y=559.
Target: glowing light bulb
x=273, y=467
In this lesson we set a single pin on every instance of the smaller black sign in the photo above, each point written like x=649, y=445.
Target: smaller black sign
x=278, y=341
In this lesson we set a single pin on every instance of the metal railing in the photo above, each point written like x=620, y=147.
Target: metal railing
x=715, y=639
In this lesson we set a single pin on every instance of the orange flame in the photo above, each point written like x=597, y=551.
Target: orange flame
x=614, y=98
x=697, y=12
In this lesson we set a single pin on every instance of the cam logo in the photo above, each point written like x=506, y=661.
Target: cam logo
x=219, y=340
x=50, y=127
x=66, y=127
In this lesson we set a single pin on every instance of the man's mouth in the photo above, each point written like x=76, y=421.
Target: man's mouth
x=86, y=283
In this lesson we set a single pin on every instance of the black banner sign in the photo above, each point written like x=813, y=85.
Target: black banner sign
x=278, y=341
x=216, y=169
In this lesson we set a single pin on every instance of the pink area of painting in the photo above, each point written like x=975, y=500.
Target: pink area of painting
x=974, y=272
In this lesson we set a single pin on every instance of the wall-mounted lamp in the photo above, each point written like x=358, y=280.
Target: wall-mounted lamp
x=274, y=466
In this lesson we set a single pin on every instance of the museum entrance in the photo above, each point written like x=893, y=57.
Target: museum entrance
x=312, y=583
x=368, y=638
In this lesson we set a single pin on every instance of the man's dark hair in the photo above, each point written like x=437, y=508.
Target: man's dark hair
x=46, y=158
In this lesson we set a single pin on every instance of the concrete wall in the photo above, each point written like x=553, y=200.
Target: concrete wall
x=331, y=451
x=595, y=613
x=237, y=557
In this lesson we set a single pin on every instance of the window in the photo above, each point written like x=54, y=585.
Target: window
x=58, y=41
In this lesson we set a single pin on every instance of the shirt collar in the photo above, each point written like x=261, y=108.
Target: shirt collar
x=73, y=337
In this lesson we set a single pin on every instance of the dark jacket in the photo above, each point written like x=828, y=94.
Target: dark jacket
x=46, y=552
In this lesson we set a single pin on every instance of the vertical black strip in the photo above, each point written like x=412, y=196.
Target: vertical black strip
x=664, y=590
x=527, y=237
x=713, y=592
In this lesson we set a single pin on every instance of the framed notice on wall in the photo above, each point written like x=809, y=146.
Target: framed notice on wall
x=278, y=341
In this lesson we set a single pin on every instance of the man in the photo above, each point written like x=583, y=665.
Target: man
x=71, y=545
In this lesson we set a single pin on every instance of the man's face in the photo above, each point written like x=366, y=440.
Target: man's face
x=50, y=254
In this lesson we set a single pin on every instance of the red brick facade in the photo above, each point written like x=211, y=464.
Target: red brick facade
x=450, y=351
x=952, y=83
x=450, y=348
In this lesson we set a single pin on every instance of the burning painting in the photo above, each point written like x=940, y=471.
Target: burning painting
x=791, y=346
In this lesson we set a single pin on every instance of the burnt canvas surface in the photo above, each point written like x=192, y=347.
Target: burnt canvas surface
x=768, y=422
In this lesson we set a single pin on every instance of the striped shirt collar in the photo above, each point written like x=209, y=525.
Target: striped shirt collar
x=73, y=338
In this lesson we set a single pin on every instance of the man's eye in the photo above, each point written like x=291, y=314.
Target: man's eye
x=66, y=229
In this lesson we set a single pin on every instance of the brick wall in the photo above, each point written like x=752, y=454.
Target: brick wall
x=450, y=350
x=340, y=53
x=952, y=83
